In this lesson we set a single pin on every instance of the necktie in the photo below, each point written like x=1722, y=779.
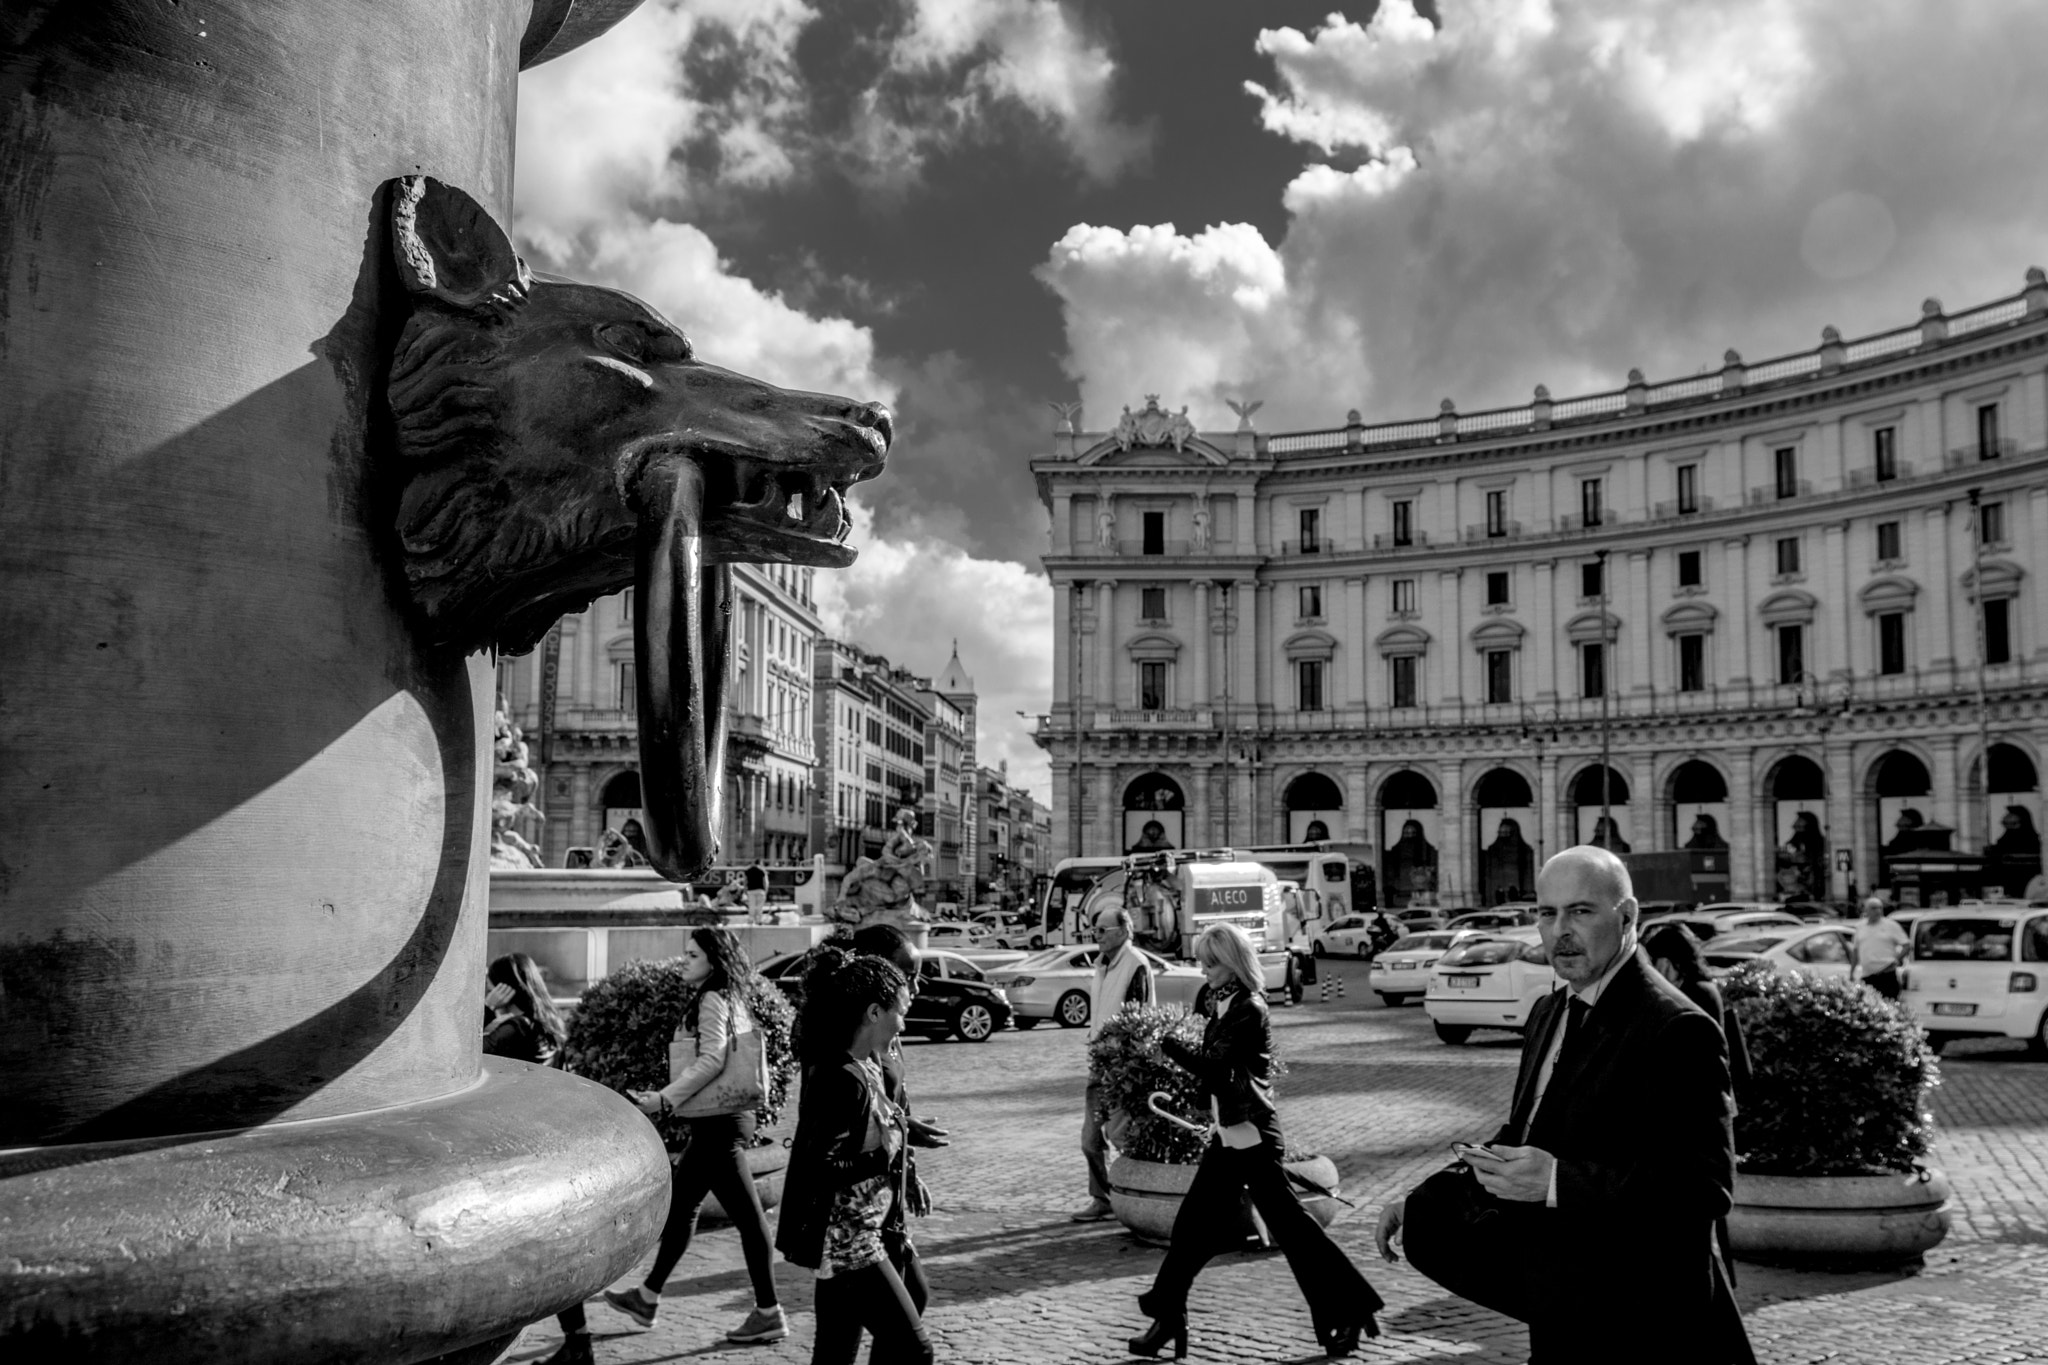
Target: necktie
x=1569, y=1050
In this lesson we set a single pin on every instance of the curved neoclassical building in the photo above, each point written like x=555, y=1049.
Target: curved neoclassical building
x=1794, y=603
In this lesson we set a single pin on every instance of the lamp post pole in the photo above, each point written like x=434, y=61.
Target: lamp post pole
x=1074, y=711
x=1224, y=598
x=1606, y=730
x=1983, y=707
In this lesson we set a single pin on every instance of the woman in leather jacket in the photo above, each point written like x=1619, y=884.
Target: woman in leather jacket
x=1235, y=1067
x=847, y=1170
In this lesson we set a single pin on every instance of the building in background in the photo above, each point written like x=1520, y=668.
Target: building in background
x=575, y=698
x=874, y=723
x=947, y=785
x=1794, y=606
x=1015, y=834
x=956, y=685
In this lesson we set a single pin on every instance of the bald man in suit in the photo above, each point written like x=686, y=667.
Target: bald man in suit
x=1591, y=1215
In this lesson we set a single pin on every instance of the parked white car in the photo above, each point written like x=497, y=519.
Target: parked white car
x=1055, y=984
x=1401, y=973
x=1349, y=936
x=1815, y=949
x=956, y=936
x=1980, y=972
x=1489, y=980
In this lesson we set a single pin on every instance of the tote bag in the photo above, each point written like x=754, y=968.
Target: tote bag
x=740, y=1086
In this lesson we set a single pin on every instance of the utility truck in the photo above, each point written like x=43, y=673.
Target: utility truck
x=1173, y=896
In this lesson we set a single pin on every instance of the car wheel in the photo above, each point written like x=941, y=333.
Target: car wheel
x=1937, y=1042
x=1025, y=1021
x=1037, y=942
x=1072, y=1010
x=1389, y=1000
x=1454, y=1034
x=1322, y=950
x=974, y=1023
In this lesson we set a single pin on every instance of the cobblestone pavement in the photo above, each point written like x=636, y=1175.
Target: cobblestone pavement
x=1370, y=1087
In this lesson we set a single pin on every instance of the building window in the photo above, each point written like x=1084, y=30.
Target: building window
x=1689, y=574
x=1791, y=653
x=1998, y=631
x=1500, y=676
x=1884, y=453
x=1786, y=462
x=1309, y=675
x=1788, y=555
x=1497, y=512
x=1590, y=503
x=1497, y=588
x=1688, y=488
x=1402, y=668
x=626, y=607
x=1593, y=670
x=622, y=679
x=1891, y=642
x=1592, y=580
x=1692, y=663
x=1404, y=522
x=1311, y=530
x=1404, y=594
x=1311, y=601
x=1155, y=533
x=1991, y=523
x=1152, y=603
x=1987, y=431
x=1152, y=685
x=1888, y=540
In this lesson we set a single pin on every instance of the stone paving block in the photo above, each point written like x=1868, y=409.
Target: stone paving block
x=1373, y=1089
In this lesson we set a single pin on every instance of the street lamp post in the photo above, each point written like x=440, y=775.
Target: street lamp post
x=1223, y=596
x=1606, y=729
x=1983, y=635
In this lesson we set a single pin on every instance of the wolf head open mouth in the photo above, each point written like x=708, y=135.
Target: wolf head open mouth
x=560, y=441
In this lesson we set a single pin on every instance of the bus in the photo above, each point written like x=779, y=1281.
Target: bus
x=1323, y=875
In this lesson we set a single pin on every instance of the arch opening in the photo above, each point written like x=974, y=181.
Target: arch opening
x=1155, y=814
x=1507, y=823
x=1701, y=824
x=1313, y=804
x=1410, y=831
x=1799, y=790
x=1609, y=831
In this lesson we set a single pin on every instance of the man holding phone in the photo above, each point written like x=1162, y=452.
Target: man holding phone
x=1616, y=1159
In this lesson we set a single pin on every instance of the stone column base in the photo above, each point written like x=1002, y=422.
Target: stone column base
x=393, y=1236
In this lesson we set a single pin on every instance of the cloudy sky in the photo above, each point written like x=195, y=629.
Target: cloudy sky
x=971, y=207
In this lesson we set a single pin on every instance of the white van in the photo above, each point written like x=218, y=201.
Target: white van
x=1980, y=971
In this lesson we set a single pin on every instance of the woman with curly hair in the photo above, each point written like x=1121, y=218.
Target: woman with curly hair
x=847, y=1170
x=713, y=1159
x=1244, y=1157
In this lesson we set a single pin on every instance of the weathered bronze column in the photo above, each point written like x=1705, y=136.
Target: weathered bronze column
x=242, y=871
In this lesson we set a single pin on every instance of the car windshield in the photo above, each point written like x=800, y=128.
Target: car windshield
x=1743, y=943
x=1416, y=942
x=1964, y=940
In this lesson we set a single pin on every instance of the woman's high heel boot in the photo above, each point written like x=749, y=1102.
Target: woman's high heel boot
x=1154, y=1338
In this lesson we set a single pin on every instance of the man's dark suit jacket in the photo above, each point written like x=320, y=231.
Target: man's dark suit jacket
x=1637, y=1115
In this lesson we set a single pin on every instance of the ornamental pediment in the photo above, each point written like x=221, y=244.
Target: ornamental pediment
x=1310, y=644
x=1888, y=594
x=1149, y=433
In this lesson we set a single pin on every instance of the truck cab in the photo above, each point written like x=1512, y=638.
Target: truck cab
x=1173, y=897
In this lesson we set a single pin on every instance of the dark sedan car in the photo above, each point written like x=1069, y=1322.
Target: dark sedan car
x=952, y=999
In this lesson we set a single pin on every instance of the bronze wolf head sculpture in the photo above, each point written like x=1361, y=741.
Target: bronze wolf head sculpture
x=559, y=441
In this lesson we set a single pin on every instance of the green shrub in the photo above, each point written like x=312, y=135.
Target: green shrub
x=1841, y=1077
x=621, y=1031
x=1126, y=1061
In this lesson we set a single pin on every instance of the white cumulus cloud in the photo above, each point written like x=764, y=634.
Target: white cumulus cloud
x=1532, y=191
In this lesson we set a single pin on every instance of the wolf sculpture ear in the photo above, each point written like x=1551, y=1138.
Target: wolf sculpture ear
x=450, y=248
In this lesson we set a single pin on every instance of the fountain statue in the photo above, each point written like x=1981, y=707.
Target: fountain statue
x=886, y=887
x=294, y=445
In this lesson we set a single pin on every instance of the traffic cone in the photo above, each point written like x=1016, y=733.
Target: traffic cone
x=1323, y=990
x=1340, y=988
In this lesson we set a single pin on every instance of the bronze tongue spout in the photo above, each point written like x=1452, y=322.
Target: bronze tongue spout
x=682, y=614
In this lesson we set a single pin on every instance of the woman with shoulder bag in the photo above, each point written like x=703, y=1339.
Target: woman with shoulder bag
x=717, y=1079
x=847, y=1171
x=1235, y=1067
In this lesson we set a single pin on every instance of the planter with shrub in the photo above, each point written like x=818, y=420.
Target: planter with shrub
x=1156, y=1159
x=1834, y=1129
x=620, y=1035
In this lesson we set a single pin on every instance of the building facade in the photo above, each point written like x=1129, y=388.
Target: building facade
x=1015, y=838
x=575, y=698
x=944, y=818
x=871, y=723
x=1795, y=605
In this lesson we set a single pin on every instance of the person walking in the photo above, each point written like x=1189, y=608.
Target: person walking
x=1122, y=977
x=846, y=1163
x=1880, y=947
x=1235, y=1066
x=1675, y=953
x=1590, y=1216
x=713, y=1159
x=757, y=890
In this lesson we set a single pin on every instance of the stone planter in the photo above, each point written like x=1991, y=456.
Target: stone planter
x=1869, y=1218
x=767, y=1163
x=1146, y=1195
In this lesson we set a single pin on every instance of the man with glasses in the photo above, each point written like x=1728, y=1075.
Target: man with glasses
x=1590, y=1216
x=1122, y=977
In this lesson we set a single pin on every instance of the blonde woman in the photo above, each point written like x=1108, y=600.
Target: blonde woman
x=1235, y=1067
